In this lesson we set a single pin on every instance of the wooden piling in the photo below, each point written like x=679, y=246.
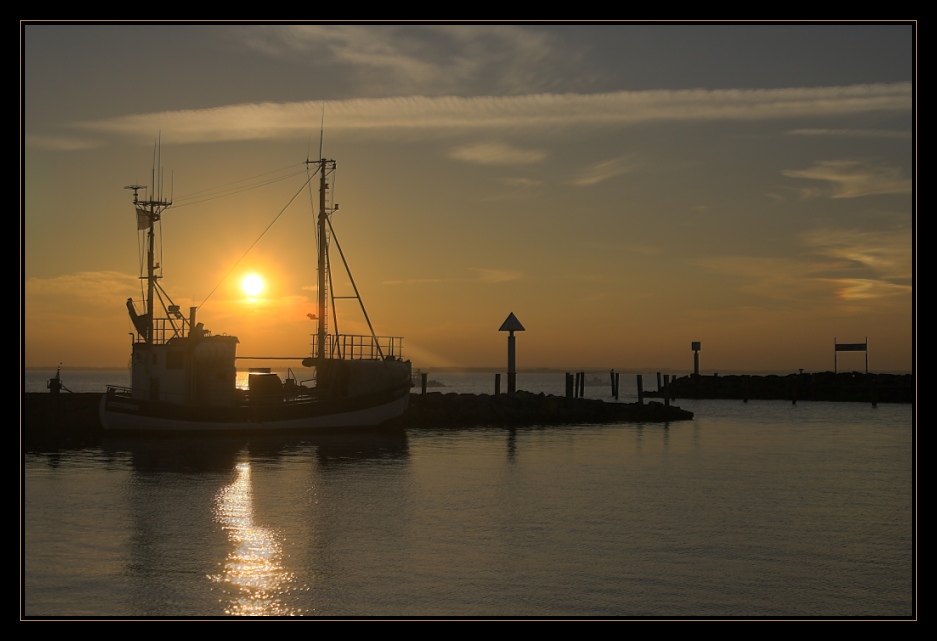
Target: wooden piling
x=497, y=384
x=569, y=385
x=666, y=390
x=423, y=382
x=640, y=390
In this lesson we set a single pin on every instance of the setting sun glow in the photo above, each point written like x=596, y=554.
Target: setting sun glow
x=252, y=284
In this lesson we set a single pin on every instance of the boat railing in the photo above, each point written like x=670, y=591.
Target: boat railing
x=359, y=347
x=165, y=329
x=119, y=390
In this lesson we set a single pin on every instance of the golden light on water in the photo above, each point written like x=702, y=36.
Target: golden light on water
x=253, y=571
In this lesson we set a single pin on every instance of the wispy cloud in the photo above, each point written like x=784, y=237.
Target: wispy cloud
x=852, y=178
x=60, y=143
x=602, y=171
x=442, y=59
x=852, y=133
x=87, y=286
x=451, y=115
x=489, y=275
x=859, y=289
x=515, y=188
x=481, y=274
x=769, y=278
x=497, y=153
x=886, y=253
x=844, y=265
x=413, y=281
x=520, y=183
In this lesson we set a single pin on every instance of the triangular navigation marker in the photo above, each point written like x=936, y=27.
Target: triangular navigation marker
x=511, y=324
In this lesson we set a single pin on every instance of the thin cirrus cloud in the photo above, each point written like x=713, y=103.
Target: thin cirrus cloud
x=520, y=183
x=853, y=178
x=489, y=275
x=852, y=133
x=87, y=286
x=440, y=59
x=847, y=265
x=882, y=252
x=482, y=275
x=448, y=115
x=497, y=153
x=603, y=171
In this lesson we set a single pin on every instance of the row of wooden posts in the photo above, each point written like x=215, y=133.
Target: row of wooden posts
x=576, y=385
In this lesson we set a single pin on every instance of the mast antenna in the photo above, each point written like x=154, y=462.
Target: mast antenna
x=321, y=131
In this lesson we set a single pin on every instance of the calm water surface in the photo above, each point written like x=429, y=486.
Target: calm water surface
x=758, y=509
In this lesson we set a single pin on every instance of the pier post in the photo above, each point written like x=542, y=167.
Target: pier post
x=511, y=325
x=512, y=372
x=582, y=384
x=569, y=385
x=659, y=387
x=666, y=390
x=695, y=346
x=640, y=390
x=497, y=384
x=423, y=382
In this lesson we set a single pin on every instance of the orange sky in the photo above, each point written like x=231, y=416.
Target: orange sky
x=624, y=190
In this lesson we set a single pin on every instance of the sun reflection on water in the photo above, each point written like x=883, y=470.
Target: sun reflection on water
x=253, y=571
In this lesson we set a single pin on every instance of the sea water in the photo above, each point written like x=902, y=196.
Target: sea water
x=752, y=510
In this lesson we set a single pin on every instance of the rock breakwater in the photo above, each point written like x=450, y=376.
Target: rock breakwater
x=817, y=386
x=436, y=409
x=71, y=420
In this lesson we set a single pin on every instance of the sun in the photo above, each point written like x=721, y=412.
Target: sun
x=252, y=284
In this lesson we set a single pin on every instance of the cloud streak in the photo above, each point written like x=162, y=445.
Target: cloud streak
x=443, y=59
x=883, y=252
x=852, y=178
x=451, y=115
x=846, y=265
x=497, y=153
x=600, y=172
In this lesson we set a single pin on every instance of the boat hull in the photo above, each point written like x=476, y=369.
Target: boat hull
x=119, y=413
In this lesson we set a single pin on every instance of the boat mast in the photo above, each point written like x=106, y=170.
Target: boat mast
x=149, y=211
x=323, y=256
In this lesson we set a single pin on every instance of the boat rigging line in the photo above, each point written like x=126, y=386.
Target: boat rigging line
x=238, y=186
x=262, y=234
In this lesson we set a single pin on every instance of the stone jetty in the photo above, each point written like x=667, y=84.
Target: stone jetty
x=436, y=409
x=804, y=386
x=71, y=420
